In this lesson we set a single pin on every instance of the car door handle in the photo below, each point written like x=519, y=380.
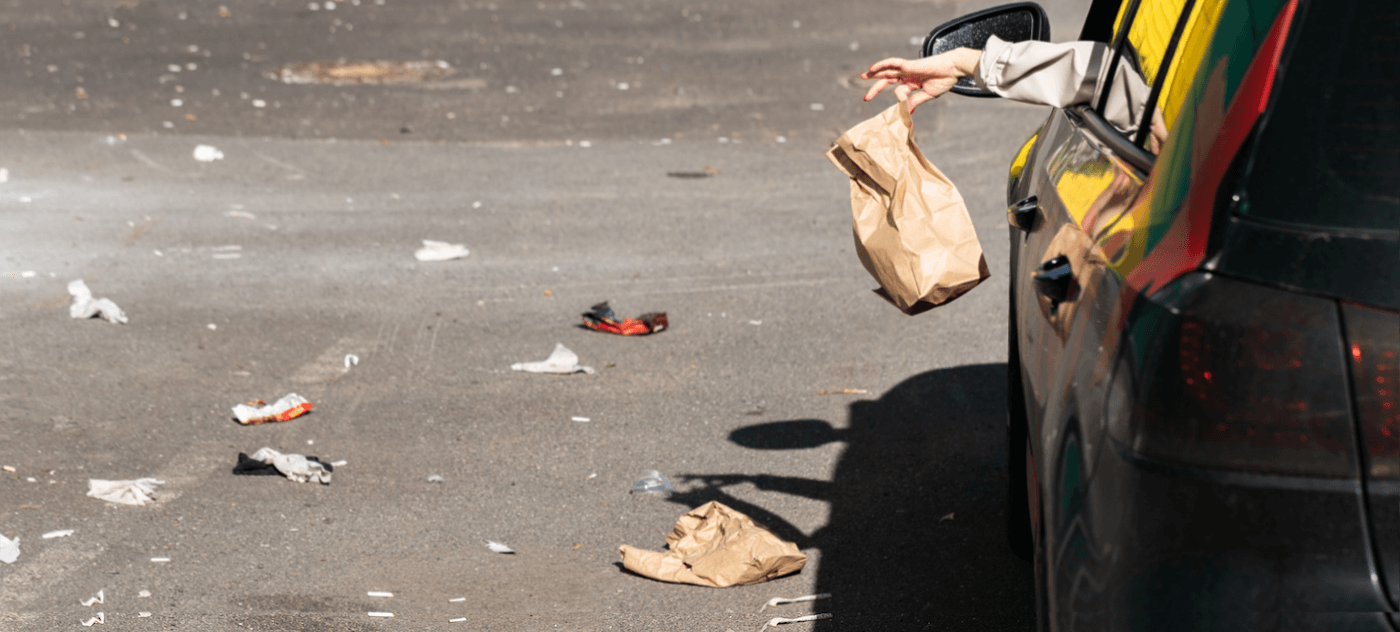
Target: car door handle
x=1023, y=214
x=1053, y=279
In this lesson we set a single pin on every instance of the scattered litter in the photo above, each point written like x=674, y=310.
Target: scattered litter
x=457, y=600
x=212, y=327
x=8, y=468
x=602, y=318
x=582, y=419
x=707, y=172
x=29, y=274
x=289, y=407
x=714, y=545
x=228, y=255
x=782, y=601
x=593, y=476
x=266, y=462
x=9, y=550
x=4, y=175
x=243, y=214
x=31, y=479
x=947, y=518
x=133, y=492
x=346, y=73
x=259, y=103
x=562, y=361
x=435, y=478
x=340, y=463
x=100, y=618
x=755, y=322
x=375, y=593
x=84, y=306
x=144, y=594
x=652, y=482
x=817, y=107
x=457, y=620
x=382, y=614
x=440, y=251
x=585, y=144
x=61, y=533
x=351, y=360
x=207, y=153
x=143, y=615
x=777, y=621
x=844, y=391
x=100, y=598
x=497, y=547
x=160, y=560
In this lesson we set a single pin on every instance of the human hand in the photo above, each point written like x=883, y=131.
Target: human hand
x=920, y=80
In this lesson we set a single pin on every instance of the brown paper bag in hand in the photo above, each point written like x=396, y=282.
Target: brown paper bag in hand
x=913, y=233
x=714, y=545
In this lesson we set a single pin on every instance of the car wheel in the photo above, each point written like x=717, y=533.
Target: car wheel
x=1018, y=519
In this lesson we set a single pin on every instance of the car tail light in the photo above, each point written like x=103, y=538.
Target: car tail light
x=1244, y=377
x=1373, y=344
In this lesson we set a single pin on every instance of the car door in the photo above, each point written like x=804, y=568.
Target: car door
x=1069, y=295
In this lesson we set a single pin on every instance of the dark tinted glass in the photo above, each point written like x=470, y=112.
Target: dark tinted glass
x=1329, y=153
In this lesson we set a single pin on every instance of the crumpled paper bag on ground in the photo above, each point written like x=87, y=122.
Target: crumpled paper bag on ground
x=85, y=306
x=294, y=466
x=257, y=412
x=912, y=229
x=714, y=545
x=136, y=492
x=562, y=361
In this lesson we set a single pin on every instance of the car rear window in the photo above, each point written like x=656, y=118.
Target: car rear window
x=1328, y=155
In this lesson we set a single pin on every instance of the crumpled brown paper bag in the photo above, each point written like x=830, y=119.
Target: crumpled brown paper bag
x=714, y=545
x=913, y=233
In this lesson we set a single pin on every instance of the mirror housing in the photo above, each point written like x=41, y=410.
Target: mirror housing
x=1015, y=22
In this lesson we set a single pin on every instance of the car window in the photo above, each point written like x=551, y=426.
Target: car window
x=1328, y=154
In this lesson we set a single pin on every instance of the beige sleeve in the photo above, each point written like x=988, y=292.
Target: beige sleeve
x=1061, y=75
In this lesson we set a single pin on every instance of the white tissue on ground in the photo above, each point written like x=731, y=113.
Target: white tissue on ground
x=440, y=251
x=293, y=466
x=134, y=492
x=9, y=550
x=562, y=361
x=84, y=306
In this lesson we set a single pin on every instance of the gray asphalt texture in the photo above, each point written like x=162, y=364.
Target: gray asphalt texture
x=325, y=192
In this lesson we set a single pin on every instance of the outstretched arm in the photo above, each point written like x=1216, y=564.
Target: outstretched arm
x=921, y=80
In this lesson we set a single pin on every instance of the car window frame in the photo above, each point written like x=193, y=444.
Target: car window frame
x=1132, y=149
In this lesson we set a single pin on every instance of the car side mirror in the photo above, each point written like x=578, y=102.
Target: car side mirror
x=1016, y=22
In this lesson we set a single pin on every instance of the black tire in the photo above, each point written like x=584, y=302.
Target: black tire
x=1018, y=518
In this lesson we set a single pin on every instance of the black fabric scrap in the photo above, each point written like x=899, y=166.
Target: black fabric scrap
x=250, y=467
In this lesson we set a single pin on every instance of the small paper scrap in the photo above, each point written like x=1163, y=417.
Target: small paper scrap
x=259, y=412
x=777, y=621
x=135, y=492
x=498, y=547
x=207, y=153
x=160, y=560
x=100, y=618
x=375, y=593
x=585, y=419
x=85, y=306
x=9, y=550
x=61, y=533
x=562, y=361
x=457, y=620
x=457, y=600
x=440, y=251
x=780, y=601
x=143, y=615
x=382, y=614
x=100, y=598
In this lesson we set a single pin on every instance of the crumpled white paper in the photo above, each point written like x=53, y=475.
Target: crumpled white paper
x=84, y=306
x=245, y=413
x=440, y=251
x=497, y=547
x=207, y=153
x=562, y=361
x=9, y=550
x=293, y=466
x=135, y=492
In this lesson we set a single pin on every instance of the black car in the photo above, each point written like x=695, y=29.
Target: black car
x=1202, y=363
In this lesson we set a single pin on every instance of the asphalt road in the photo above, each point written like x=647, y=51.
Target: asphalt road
x=255, y=275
